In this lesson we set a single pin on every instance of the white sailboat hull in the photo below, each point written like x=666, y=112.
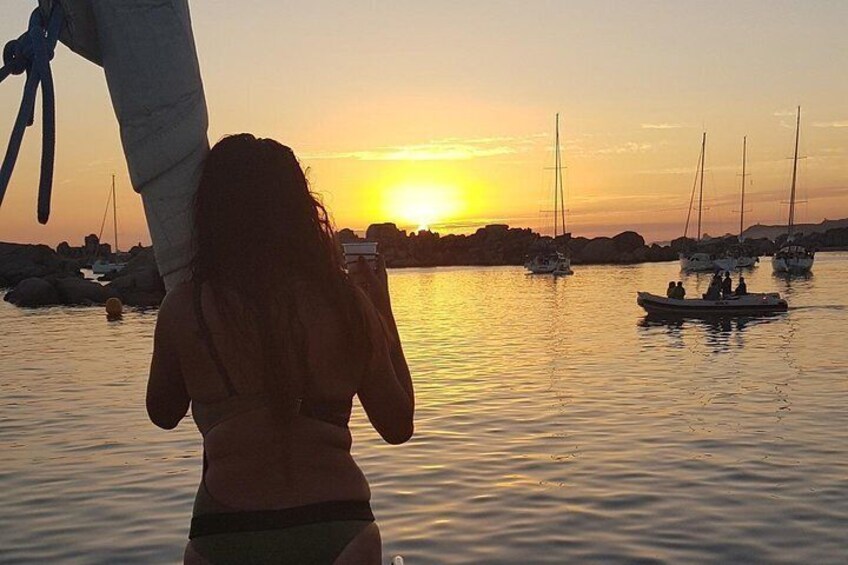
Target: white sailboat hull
x=539, y=269
x=792, y=266
x=549, y=266
x=564, y=268
x=725, y=263
x=105, y=267
x=704, y=263
x=746, y=262
x=793, y=260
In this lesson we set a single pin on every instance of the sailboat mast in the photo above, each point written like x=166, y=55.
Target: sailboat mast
x=556, y=176
x=701, y=189
x=115, y=214
x=692, y=196
x=742, y=207
x=561, y=185
x=791, y=227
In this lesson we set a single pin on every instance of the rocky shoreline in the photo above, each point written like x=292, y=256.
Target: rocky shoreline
x=39, y=276
x=499, y=244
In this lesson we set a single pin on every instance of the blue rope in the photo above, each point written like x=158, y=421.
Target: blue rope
x=31, y=53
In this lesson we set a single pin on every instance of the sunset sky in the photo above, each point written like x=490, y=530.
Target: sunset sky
x=441, y=113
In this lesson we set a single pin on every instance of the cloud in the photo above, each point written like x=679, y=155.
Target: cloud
x=834, y=124
x=522, y=139
x=448, y=149
x=686, y=170
x=624, y=148
x=668, y=171
x=663, y=125
x=784, y=113
x=427, y=152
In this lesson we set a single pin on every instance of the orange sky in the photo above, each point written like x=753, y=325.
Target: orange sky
x=442, y=114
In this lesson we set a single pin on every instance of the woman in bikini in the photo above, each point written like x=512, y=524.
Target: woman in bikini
x=268, y=343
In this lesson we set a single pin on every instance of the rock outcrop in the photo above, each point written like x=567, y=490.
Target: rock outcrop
x=499, y=244
x=19, y=261
x=139, y=283
x=82, y=292
x=91, y=248
x=598, y=250
x=40, y=277
x=495, y=244
x=33, y=292
x=53, y=290
x=347, y=235
x=628, y=242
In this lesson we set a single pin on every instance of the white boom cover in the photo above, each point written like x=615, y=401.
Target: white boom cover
x=146, y=48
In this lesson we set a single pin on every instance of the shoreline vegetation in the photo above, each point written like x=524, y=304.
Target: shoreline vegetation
x=37, y=275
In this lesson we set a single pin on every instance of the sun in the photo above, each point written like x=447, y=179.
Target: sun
x=422, y=205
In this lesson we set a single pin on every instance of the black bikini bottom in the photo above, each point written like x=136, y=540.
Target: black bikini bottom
x=261, y=520
x=315, y=534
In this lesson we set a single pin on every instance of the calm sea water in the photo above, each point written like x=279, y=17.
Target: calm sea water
x=555, y=424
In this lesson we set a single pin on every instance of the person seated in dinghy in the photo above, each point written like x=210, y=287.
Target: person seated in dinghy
x=679, y=291
x=727, y=286
x=741, y=288
x=714, y=291
x=671, y=290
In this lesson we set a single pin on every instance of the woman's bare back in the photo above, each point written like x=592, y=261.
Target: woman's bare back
x=255, y=461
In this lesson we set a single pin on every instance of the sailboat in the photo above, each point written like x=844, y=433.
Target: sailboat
x=744, y=254
x=696, y=261
x=793, y=259
x=553, y=261
x=104, y=266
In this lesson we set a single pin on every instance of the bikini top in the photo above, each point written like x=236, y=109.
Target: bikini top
x=209, y=414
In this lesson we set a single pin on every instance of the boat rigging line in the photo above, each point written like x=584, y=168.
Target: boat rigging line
x=31, y=53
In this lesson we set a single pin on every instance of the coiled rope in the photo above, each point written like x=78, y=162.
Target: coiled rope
x=32, y=53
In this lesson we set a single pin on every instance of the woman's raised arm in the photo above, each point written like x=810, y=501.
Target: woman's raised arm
x=387, y=397
x=386, y=391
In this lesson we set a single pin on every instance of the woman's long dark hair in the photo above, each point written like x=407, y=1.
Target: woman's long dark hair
x=261, y=239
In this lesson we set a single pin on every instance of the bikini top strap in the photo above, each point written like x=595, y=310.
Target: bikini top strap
x=206, y=336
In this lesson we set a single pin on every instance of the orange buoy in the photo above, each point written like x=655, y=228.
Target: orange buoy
x=114, y=308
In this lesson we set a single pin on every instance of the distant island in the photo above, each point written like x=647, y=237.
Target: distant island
x=39, y=276
x=760, y=231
